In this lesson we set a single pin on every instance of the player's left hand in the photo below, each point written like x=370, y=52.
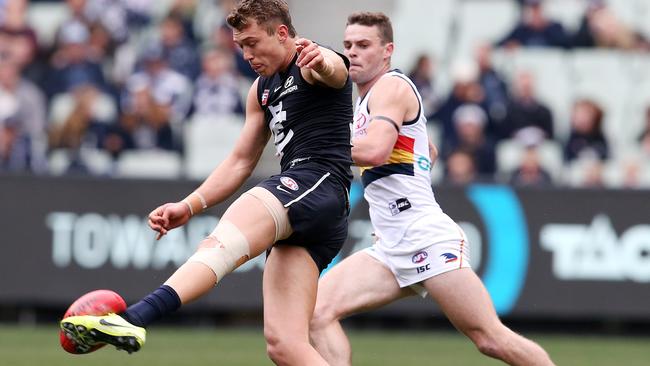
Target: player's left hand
x=310, y=55
x=167, y=217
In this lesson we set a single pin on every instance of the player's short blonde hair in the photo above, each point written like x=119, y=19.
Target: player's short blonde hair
x=369, y=19
x=267, y=13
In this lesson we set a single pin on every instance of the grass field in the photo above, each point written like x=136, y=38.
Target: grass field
x=27, y=346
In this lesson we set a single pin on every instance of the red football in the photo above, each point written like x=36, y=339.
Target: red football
x=98, y=302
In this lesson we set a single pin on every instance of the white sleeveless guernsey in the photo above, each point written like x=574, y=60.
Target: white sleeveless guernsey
x=403, y=209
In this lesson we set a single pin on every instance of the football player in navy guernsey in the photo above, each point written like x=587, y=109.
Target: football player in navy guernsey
x=303, y=99
x=418, y=248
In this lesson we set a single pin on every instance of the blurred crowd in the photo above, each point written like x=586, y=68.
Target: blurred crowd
x=120, y=76
x=117, y=77
x=486, y=111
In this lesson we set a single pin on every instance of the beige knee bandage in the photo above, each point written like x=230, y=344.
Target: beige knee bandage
x=276, y=209
x=231, y=250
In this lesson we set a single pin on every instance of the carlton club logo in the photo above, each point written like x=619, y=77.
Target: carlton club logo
x=419, y=257
x=289, y=183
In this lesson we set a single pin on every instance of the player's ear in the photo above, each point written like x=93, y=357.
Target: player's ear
x=282, y=32
x=388, y=49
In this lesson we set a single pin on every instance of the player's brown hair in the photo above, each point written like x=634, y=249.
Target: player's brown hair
x=369, y=19
x=267, y=13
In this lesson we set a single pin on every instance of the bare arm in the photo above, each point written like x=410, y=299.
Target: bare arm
x=319, y=64
x=226, y=178
x=240, y=163
x=393, y=100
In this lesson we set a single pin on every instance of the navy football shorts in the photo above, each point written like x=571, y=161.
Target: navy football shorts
x=318, y=210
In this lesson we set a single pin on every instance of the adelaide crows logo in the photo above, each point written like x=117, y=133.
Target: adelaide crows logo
x=449, y=257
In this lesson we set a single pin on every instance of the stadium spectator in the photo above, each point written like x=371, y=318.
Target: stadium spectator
x=100, y=42
x=80, y=119
x=493, y=84
x=466, y=90
x=184, y=11
x=530, y=172
x=22, y=115
x=17, y=38
x=525, y=112
x=422, y=76
x=178, y=51
x=586, y=139
x=217, y=89
x=593, y=174
x=470, y=121
x=222, y=38
x=73, y=63
x=155, y=103
x=535, y=29
x=600, y=27
x=116, y=17
x=14, y=148
x=460, y=168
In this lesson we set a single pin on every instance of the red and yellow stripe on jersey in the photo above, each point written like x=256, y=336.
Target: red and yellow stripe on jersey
x=401, y=161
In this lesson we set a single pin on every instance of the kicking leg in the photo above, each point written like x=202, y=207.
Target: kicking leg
x=358, y=283
x=290, y=284
x=467, y=304
x=246, y=223
x=247, y=228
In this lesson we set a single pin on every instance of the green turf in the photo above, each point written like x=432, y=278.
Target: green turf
x=27, y=346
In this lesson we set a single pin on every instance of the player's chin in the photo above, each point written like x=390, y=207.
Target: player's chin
x=355, y=76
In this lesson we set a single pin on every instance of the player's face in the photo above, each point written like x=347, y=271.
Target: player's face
x=264, y=52
x=363, y=47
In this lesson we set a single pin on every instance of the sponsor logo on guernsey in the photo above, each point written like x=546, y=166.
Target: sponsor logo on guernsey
x=449, y=257
x=278, y=88
x=288, y=82
x=399, y=205
x=287, y=91
x=265, y=96
x=289, y=183
x=419, y=257
x=360, y=124
x=424, y=163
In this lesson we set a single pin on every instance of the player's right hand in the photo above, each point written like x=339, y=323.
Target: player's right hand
x=167, y=217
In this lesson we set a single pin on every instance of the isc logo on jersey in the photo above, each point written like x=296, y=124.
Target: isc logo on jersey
x=289, y=183
x=399, y=205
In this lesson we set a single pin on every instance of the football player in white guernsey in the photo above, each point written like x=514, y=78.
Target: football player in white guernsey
x=419, y=249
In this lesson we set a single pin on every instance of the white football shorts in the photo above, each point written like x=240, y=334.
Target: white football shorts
x=410, y=269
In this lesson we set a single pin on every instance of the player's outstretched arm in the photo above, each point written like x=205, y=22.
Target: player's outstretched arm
x=319, y=64
x=226, y=178
x=391, y=101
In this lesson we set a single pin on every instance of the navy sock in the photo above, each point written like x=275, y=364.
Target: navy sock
x=157, y=304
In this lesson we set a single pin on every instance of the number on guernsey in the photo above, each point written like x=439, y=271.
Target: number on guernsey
x=281, y=137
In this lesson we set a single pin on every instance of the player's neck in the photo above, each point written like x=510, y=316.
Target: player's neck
x=363, y=88
x=290, y=53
